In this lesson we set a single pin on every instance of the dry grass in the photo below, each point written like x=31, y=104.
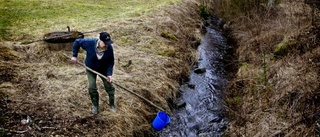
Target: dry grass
x=275, y=94
x=47, y=87
x=270, y=96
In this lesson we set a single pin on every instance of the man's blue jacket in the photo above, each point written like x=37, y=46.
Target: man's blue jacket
x=104, y=65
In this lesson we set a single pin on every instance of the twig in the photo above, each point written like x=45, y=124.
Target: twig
x=6, y=101
x=141, y=97
x=39, y=128
x=48, y=128
x=14, y=131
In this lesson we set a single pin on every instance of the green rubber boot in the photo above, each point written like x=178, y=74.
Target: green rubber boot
x=111, y=104
x=94, y=95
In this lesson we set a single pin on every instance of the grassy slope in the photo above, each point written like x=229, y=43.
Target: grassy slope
x=275, y=91
x=41, y=83
x=20, y=19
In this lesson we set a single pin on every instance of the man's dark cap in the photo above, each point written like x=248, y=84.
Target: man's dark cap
x=105, y=37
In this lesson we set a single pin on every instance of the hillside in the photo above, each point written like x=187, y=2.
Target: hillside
x=40, y=84
x=275, y=90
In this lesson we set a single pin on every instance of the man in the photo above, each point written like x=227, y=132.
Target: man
x=100, y=58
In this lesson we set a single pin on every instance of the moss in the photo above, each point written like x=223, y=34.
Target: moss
x=165, y=50
x=282, y=48
x=164, y=53
x=204, y=12
x=27, y=42
x=168, y=35
x=242, y=71
x=236, y=100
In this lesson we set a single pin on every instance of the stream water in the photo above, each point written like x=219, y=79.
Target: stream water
x=202, y=113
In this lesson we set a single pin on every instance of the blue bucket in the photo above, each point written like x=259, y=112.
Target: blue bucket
x=161, y=121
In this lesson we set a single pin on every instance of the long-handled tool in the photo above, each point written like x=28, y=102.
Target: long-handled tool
x=141, y=97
